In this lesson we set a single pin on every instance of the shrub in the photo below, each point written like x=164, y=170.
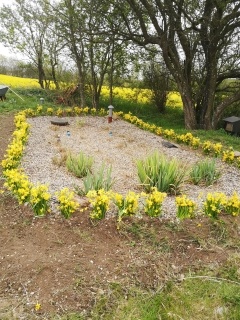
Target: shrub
x=158, y=171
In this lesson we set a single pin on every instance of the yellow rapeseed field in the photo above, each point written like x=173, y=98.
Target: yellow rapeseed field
x=136, y=95
x=142, y=95
x=16, y=82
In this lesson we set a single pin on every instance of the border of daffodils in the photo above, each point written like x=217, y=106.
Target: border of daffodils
x=38, y=196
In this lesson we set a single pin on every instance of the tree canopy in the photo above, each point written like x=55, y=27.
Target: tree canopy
x=197, y=40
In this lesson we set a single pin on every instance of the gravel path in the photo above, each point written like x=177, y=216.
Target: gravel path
x=118, y=144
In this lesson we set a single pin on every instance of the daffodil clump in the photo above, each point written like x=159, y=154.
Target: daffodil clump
x=49, y=111
x=214, y=204
x=15, y=179
x=67, y=204
x=17, y=182
x=39, y=110
x=188, y=139
x=207, y=147
x=127, y=206
x=228, y=156
x=217, y=149
x=15, y=149
x=185, y=207
x=13, y=155
x=100, y=201
x=39, y=199
x=153, y=202
x=169, y=134
x=232, y=205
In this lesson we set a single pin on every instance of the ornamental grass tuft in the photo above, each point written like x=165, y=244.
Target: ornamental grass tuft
x=164, y=174
x=204, y=172
x=102, y=179
x=79, y=164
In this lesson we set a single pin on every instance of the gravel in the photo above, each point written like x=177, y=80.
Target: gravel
x=118, y=144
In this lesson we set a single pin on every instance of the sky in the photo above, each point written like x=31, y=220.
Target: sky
x=3, y=50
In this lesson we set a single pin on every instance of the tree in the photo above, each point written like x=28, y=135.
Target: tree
x=71, y=27
x=200, y=45
x=28, y=27
x=96, y=50
x=156, y=77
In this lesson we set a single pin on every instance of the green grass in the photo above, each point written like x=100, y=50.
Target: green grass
x=21, y=99
x=197, y=298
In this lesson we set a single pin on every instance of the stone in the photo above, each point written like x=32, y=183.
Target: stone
x=168, y=144
x=59, y=122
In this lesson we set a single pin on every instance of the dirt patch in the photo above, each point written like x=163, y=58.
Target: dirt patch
x=67, y=264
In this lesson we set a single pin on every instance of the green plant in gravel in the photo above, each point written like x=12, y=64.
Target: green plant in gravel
x=204, y=172
x=79, y=164
x=158, y=171
x=102, y=179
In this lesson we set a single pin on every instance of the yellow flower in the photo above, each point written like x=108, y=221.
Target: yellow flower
x=37, y=306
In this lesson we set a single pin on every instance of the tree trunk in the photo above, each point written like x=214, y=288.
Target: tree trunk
x=41, y=73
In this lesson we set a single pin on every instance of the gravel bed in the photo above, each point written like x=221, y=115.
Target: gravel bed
x=118, y=144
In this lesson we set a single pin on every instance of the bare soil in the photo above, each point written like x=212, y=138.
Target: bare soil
x=66, y=265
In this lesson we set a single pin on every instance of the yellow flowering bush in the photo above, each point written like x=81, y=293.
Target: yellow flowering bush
x=185, y=207
x=100, y=201
x=67, y=204
x=214, y=204
x=153, y=202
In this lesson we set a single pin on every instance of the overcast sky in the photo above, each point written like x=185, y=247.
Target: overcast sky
x=3, y=50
